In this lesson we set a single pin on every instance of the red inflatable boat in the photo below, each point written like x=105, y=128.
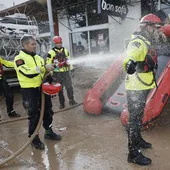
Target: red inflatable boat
x=108, y=93
x=156, y=100
x=159, y=96
x=96, y=96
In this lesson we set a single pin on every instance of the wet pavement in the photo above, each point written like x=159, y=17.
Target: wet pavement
x=88, y=142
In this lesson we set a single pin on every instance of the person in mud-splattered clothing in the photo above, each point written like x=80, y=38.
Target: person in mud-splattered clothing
x=140, y=65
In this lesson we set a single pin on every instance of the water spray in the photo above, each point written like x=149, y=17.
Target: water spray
x=90, y=59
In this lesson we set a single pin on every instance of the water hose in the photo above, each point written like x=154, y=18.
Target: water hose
x=26, y=117
x=18, y=152
x=36, y=130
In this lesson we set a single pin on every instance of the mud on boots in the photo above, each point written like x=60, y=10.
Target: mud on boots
x=37, y=144
x=13, y=114
x=141, y=143
x=137, y=157
x=49, y=134
x=135, y=142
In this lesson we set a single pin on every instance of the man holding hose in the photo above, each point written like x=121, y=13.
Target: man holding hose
x=30, y=70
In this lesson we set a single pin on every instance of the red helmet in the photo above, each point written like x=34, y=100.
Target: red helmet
x=51, y=89
x=57, y=40
x=150, y=19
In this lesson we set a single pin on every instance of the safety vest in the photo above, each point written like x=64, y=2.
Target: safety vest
x=7, y=64
x=60, y=55
x=140, y=51
x=26, y=67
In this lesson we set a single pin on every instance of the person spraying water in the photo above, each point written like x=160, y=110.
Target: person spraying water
x=60, y=56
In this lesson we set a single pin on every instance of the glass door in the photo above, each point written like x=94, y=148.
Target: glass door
x=99, y=41
x=80, y=44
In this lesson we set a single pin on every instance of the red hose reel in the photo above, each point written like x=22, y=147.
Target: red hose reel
x=51, y=89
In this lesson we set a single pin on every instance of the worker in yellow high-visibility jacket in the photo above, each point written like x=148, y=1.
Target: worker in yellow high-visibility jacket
x=140, y=65
x=30, y=70
x=5, y=89
x=60, y=55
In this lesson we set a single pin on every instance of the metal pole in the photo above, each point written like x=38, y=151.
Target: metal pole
x=159, y=4
x=50, y=17
x=88, y=32
x=89, y=43
x=99, y=6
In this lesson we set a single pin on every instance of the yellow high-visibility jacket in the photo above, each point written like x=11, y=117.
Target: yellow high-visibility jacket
x=28, y=74
x=137, y=50
x=7, y=64
x=52, y=56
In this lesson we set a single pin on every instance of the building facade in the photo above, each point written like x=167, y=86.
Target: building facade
x=88, y=26
x=98, y=32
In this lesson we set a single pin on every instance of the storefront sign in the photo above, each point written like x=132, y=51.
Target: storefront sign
x=113, y=8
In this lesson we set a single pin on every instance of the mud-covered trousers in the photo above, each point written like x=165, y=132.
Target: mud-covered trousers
x=136, y=101
x=64, y=79
x=32, y=104
x=7, y=92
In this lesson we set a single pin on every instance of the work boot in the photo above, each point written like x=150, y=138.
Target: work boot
x=36, y=143
x=139, y=158
x=62, y=106
x=49, y=134
x=13, y=114
x=143, y=144
x=72, y=102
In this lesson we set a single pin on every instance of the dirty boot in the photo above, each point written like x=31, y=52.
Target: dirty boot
x=13, y=114
x=49, y=134
x=36, y=143
x=143, y=144
x=138, y=158
x=62, y=106
x=72, y=102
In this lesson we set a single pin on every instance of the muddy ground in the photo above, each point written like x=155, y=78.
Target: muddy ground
x=88, y=142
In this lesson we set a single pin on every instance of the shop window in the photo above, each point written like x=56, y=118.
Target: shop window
x=80, y=44
x=99, y=41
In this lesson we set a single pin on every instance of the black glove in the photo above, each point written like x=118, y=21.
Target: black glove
x=48, y=79
x=131, y=67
